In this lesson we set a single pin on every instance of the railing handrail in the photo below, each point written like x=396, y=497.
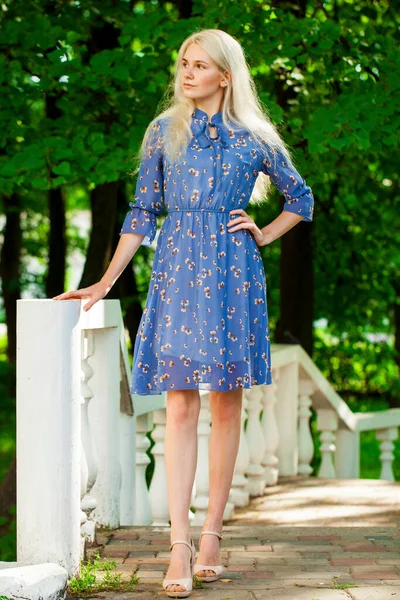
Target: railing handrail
x=325, y=396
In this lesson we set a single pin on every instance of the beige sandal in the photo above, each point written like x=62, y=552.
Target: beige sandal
x=186, y=582
x=216, y=568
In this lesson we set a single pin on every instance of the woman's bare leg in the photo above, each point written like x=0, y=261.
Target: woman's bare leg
x=183, y=407
x=226, y=408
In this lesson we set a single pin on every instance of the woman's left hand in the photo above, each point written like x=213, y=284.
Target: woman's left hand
x=243, y=221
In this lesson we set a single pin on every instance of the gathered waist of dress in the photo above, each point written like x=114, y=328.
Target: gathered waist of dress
x=203, y=210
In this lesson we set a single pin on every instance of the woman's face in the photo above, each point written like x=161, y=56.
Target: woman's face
x=200, y=71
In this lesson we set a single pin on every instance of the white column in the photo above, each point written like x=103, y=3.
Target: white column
x=271, y=432
x=104, y=416
x=327, y=423
x=239, y=494
x=158, y=486
x=286, y=411
x=306, y=443
x=48, y=433
x=347, y=454
x=200, y=500
x=143, y=516
x=255, y=442
x=127, y=452
x=386, y=436
x=89, y=458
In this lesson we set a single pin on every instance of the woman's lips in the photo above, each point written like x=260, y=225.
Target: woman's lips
x=188, y=85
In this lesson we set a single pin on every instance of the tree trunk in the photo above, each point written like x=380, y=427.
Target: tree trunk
x=10, y=273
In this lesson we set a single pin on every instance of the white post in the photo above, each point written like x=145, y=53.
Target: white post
x=200, y=500
x=143, y=514
x=327, y=422
x=48, y=433
x=158, y=486
x=89, y=457
x=347, y=455
x=104, y=415
x=306, y=443
x=271, y=432
x=286, y=411
x=386, y=436
x=239, y=494
x=255, y=442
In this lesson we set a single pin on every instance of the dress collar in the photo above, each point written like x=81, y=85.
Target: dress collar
x=201, y=131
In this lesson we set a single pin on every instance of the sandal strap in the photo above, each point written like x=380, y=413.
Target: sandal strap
x=212, y=532
x=180, y=542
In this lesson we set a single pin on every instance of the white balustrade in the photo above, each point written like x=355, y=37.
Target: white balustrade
x=82, y=439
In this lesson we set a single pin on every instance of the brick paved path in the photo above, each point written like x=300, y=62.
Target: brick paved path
x=303, y=540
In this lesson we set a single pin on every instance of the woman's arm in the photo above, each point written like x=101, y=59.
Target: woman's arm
x=124, y=252
x=274, y=230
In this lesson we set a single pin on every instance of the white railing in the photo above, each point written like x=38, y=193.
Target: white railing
x=82, y=439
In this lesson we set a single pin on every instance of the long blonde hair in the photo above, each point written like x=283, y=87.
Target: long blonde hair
x=241, y=103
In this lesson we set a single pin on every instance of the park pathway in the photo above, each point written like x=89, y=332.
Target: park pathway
x=305, y=539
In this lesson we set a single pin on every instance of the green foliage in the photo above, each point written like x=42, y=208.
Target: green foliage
x=100, y=576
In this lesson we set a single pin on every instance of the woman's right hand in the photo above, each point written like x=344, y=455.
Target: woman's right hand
x=95, y=292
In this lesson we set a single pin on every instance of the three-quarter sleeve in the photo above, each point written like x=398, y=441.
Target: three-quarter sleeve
x=298, y=195
x=148, y=199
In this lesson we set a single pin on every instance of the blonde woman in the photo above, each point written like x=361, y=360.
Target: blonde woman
x=205, y=324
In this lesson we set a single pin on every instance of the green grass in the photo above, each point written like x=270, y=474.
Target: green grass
x=100, y=576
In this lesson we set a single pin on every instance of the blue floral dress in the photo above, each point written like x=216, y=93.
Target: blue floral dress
x=205, y=323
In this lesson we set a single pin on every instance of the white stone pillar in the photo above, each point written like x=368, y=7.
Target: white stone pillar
x=48, y=433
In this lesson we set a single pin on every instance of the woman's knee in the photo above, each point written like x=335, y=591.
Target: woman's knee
x=183, y=406
x=226, y=406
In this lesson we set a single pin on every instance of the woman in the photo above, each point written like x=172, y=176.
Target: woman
x=205, y=324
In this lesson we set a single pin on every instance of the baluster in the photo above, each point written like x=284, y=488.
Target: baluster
x=239, y=493
x=89, y=467
x=200, y=497
x=305, y=439
x=270, y=430
x=142, y=514
x=386, y=436
x=158, y=486
x=327, y=422
x=255, y=442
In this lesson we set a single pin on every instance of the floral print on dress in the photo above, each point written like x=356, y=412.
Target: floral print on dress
x=205, y=322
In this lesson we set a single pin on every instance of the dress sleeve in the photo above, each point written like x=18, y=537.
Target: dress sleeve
x=148, y=201
x=298, y=195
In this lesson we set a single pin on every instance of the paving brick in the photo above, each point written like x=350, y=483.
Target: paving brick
x=240, y=567
x=338, y=561
x=146, y=560
x=258, y=575
x=259, y=548
x=376, y=593
x=316, y=538
x=373, y=574
x=148, y=574
x=304, y=594
x=364, y=548
x=107, y=552
x=127, y=535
